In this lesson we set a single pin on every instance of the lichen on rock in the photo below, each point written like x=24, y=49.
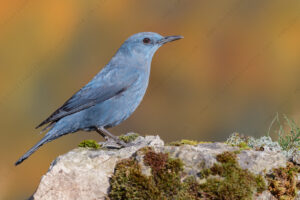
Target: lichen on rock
x=264, y=143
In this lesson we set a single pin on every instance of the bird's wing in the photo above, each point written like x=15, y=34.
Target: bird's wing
x=100, y=89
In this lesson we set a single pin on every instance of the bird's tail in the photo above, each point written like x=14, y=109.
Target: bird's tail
x=48, y=137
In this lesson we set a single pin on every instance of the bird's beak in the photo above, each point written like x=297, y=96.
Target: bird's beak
x=169, y=39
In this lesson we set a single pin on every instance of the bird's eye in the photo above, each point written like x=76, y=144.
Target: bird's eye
x=146, y=40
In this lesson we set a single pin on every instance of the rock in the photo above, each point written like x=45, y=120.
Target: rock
x=266, y=195
x=296, y=157
x=193, y=157
x=85, y=173
x=259, y=161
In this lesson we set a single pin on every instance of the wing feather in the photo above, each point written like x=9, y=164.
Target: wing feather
x=98, y=90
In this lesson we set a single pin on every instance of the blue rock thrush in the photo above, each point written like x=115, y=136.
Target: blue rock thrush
x=111, y=96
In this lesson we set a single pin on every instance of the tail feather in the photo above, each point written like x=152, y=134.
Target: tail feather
x=49, y=126
x=44, y=140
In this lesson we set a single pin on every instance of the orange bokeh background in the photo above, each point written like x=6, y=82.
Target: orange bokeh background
x=237, y=66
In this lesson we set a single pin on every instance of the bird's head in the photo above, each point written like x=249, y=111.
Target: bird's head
x=143, y=45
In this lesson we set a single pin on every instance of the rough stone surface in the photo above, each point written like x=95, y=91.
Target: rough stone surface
x=296, y=157
x=85, y=173
x=266, y=195
x=258, y=161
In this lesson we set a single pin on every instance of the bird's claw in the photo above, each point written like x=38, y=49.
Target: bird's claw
x=112, y=142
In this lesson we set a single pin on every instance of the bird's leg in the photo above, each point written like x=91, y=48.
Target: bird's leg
x=106, y=134
x=102, y=134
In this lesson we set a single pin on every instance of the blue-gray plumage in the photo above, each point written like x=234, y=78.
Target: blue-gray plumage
x=111, y=96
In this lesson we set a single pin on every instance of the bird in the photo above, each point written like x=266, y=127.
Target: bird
x=111, y=96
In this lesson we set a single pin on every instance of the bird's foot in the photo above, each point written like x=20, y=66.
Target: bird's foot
x=121, y=142
x=111, y=143
x=108, y=136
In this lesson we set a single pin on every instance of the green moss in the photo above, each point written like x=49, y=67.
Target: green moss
x=226, y=180
x=128, y=182
x=183, y=142
x=243, y=146
x=187, y=142
x=237, y=151
x=129, y=138
x=89, y=144
x=283, y=182
x=204, y=142
x=260, y=183
x=191, y=190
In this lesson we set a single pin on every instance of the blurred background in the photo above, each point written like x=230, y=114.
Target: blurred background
x=237, y=66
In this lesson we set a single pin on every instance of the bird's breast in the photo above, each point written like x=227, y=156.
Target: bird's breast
x=117, y=109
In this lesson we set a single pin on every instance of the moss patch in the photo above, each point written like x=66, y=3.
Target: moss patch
x=89, y=144
x=283, y=183
x=128, y=182
x=129, y=138
x=226, y=180
x=243, y=146
x=184, y=142
x=155, y=160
